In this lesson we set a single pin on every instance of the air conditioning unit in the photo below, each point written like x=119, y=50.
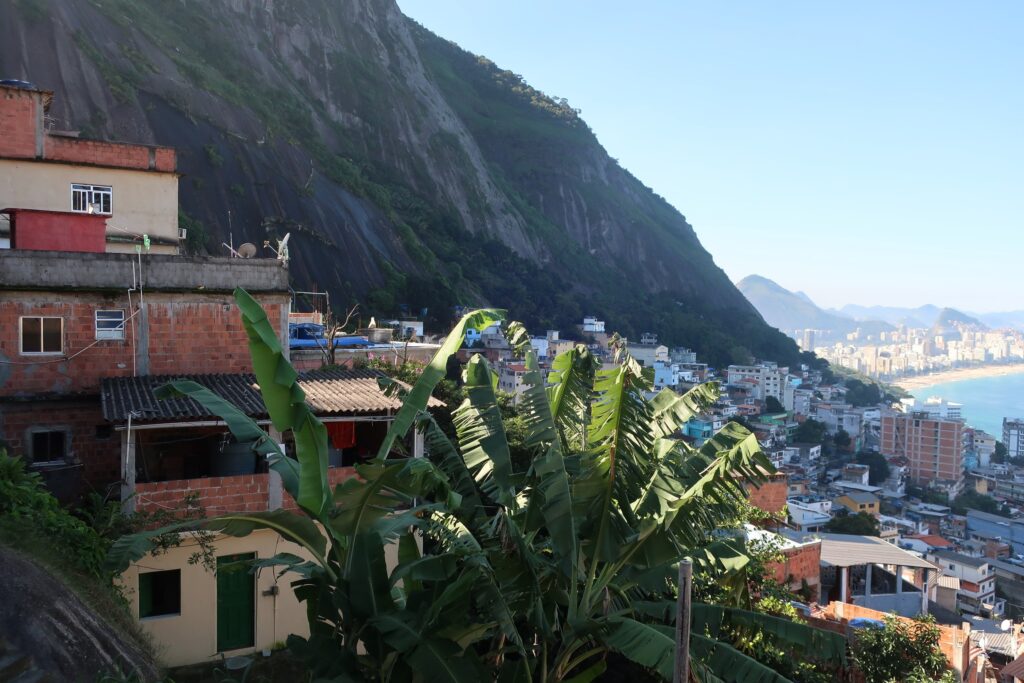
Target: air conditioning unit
x=182, y=233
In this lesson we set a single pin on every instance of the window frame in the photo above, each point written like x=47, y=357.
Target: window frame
x=30, y=437
x=149, y=581
x=109, y=334
x=92, y=191
x=42, y=335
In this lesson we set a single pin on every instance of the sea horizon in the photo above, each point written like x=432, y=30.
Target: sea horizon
x=986, y=400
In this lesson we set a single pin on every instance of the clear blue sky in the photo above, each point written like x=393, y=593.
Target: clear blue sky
x=868, y=152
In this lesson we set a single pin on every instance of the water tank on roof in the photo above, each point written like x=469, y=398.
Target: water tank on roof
x=16, y=83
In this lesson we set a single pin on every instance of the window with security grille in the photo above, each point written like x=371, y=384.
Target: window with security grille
x=92, y=198
x=110, y=324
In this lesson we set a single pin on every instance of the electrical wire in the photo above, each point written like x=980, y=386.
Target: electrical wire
x=64, y=359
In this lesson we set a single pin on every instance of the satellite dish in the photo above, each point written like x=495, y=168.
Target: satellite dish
x=247, y=250
x=1005, y=625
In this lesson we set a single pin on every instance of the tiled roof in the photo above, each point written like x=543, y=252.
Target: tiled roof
x=328, y=393
x=947, y=581
x=933, y=540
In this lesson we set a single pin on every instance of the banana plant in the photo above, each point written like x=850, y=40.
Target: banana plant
x=507, y=575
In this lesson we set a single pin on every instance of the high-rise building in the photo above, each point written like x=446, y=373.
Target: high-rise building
x=808, y=341
x=1013, y=436
x=932, y=446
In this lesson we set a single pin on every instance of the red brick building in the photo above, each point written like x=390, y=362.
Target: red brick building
x=933, y=447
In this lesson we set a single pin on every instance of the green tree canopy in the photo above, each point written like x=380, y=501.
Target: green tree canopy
x=811, y=431
x=772, y=405
x=860, y=524
x=878, y=465
x=902, y=652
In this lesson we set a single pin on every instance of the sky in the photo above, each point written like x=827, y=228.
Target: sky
x=868, y=152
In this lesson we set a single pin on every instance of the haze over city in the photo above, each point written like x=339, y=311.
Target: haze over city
x=862, y=145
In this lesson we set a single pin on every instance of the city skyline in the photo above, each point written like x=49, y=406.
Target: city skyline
x=867, y=143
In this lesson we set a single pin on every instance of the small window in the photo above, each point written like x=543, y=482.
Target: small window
x=159, y=593
x=92, y=198
x=49, y=446
x=42, y=335
x=110, y=324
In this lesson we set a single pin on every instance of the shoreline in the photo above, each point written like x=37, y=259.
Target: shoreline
x=957, y=375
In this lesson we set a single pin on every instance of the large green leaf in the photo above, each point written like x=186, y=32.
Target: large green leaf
x=241, y=426
x=571, y=385
x=417, y=398
x=286, y=404
x=640, y=642
x=481, y=433
x=369, y=589
x=670, y=410
x=431, y=658
x=730, y=664
x=716, y=620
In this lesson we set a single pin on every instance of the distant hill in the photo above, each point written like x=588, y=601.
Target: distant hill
x=1011, y=319
x=948, y=317
x=922, y=316
x=790, y=311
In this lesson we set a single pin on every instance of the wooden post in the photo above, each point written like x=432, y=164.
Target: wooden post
x=682, y=669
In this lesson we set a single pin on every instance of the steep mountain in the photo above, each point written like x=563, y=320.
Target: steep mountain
x=411, y=174
x=948, y=320
x=791, y=311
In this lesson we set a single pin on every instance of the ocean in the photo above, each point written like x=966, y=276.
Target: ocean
x=986, y=400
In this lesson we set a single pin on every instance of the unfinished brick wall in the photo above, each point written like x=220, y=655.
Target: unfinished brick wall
x=799, y=565
x=954, y=642
x=177, y=334
x=771, y=495
x=19, y=118
x=217, y=495
x=94, y=447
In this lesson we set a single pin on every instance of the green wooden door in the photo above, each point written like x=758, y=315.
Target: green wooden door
x=236, y=602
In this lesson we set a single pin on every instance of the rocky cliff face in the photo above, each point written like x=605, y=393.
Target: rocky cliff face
x=409, y=172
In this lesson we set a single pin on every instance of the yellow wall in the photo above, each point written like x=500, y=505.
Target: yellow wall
x=191, y=637
x=143, y=201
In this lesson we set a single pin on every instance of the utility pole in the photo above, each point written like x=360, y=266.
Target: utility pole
x=682, y=669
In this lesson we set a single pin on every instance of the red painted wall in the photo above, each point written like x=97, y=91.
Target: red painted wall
x=58, y=231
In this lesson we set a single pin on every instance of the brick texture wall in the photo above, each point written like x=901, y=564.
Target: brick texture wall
x=20, y=122
x=799, y=565
x=178, y=334
x=770, y=497
x=95, y=450
x=19, y=114
x=221, y=495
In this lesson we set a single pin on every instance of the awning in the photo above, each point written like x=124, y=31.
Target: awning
x=328, y=393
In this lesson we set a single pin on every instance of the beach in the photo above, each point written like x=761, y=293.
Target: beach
x=957, y=375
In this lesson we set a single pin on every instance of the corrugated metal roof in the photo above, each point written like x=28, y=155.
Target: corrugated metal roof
x=328, y=392
x=1014, y=669
x=947, y=581
x=847, y=550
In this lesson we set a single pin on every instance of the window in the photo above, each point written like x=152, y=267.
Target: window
x=42, y=335
x=110, y=324
x=48, y=445
x=91, y=198
x=159, y=593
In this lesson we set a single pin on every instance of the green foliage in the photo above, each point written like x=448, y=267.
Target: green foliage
x=214, y=156
x=860, y=524
x=901, y=652
x=1000, y=453
x=972, y=500
x=26, y=504
x=877, y=464
x=811, y=431
x=195, y=237
x=531, y=568
x=773, y=406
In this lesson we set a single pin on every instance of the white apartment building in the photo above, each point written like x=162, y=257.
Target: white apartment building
x=977, y=594
x=592, y=324
x=808, y=514
x=768, y=379
x=935, y=406
x=1013, y=436
x=796, y=400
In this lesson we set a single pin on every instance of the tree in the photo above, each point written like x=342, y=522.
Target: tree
x=772, y=405
x=811, y=431
x=902, y=651
x=1000, y=454
x=972, y=500
x=526, y=574
x=842, y=439
x=860, y=524
x=877, y=464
